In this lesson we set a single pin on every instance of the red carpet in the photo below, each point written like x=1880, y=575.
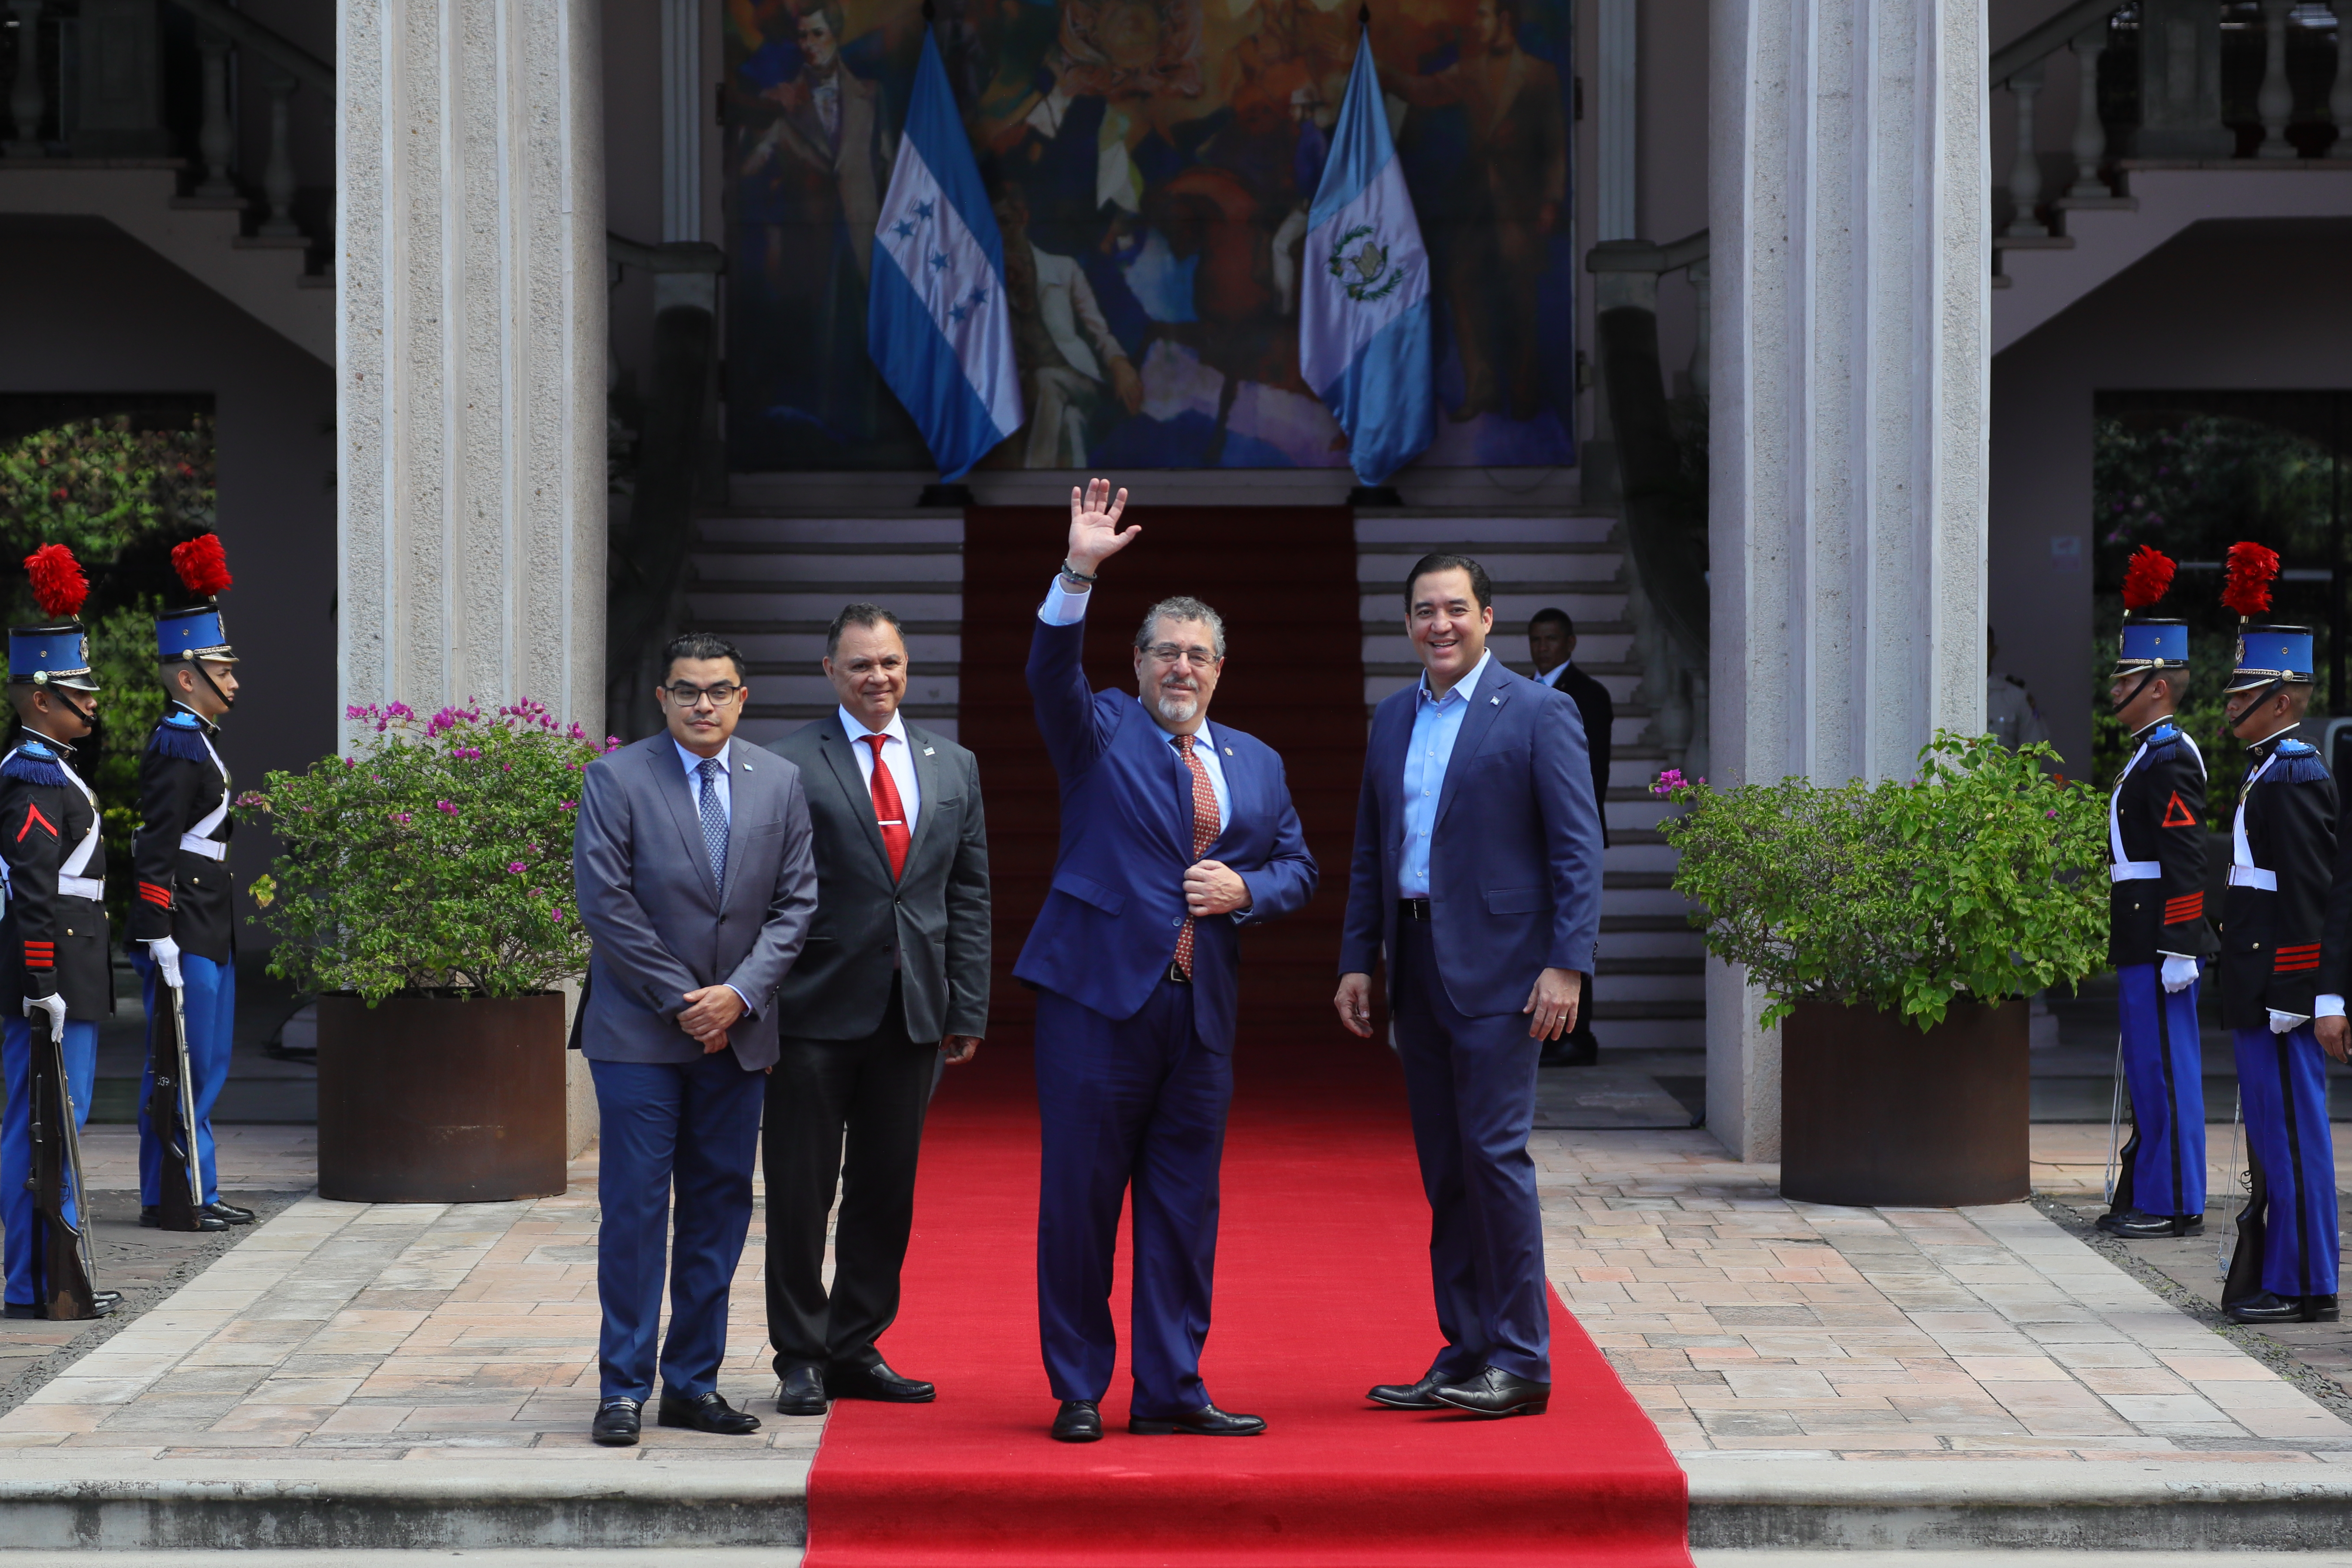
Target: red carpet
x=1322, y=1290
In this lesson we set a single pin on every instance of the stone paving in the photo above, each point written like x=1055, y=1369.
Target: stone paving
x=1749, y=1326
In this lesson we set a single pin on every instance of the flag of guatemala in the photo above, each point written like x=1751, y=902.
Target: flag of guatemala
x=1363, y=321
x=936, y=322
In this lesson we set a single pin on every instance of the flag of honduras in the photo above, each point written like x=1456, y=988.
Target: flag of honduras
x=1364, y=327
x=936, y=322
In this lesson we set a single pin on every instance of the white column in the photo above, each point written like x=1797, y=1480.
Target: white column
x=470, y=353
x=1617, y=111
x=2275, y=100
x=1849, y=201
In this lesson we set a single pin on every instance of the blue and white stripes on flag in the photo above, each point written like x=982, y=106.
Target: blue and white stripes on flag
x=935, y=318
x=1363, y=321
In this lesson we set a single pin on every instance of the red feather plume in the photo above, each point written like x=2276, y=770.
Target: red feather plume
x=2246, y=587
x=2146, y=578
x=58, y=585
x=202, y=565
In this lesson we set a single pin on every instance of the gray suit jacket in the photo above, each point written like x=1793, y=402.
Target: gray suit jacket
x=660, y=927
x=935, y=916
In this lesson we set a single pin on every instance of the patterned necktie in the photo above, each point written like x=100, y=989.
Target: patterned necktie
x=714, y=821
x=1205, y=833
x=889, y=813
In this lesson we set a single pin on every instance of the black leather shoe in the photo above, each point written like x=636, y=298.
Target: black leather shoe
x=2135, y=1224
x=803, y=1394
x=1079, y=1421
x=152, y=1218
x=1570, y=1053
x=878, y=1382
x=709, y=1413
x=1496, y=1393
x=228, y=1212
x=104, y=1301
x=2268, y=1307
x=617, y=1425
x=1421, y=1395
x=15, y=1310
x=1206, y=1422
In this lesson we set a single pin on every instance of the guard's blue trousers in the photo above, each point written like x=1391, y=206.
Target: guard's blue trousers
x=1471, y=1083
x=209, y=1000
x=16, y=1198
x=2283, y=1092
x=1138, y=1102
x=2163, y=1167
x=664, y=1127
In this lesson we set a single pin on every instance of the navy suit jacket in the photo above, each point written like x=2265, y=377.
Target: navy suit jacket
x=1514, y=856
x=1107, y=931
x=661, y=926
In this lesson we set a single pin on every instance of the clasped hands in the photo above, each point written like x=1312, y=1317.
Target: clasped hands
x=710, y=1011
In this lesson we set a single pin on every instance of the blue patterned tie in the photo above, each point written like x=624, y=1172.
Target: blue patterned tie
x=714, y=821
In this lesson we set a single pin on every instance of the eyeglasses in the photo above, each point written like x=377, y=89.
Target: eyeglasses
x=1169, y=653
x=687, y=695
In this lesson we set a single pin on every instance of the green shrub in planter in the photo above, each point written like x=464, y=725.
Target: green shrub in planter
x=434, y=859
x=1983, y=878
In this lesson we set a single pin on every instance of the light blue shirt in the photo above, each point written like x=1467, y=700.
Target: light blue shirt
x=723, y=782
x=1436, y=722
x=1063, y=608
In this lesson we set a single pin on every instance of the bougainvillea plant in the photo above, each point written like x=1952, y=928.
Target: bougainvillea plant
x=433, y=859
x=1982, y=878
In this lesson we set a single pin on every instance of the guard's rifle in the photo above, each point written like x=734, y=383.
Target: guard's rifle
x=172, y=1112
x=61, y=1247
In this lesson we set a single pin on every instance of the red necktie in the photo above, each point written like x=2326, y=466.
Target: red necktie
x=1205, y=833
x=889, y=815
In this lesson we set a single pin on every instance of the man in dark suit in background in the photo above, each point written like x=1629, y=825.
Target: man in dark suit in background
x=1551, y=647
x=1477, y=870
x=896, y=970
x=691, y=863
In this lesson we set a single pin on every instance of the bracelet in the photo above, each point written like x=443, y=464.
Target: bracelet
x=1074, y=575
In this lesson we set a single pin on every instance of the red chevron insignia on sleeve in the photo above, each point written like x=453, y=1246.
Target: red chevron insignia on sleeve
x=2294, y=960
x=2177, y=815
x=40, y=956
x=32, y=815
x=2186, y=908
x=160, y=897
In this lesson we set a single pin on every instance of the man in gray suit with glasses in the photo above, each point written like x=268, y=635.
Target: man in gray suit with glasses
x=894, y=974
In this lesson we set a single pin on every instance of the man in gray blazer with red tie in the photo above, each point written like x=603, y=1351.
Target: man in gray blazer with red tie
x=692, y=867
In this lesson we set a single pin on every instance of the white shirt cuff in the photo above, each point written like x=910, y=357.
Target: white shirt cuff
x=2330, y=1006
x=749, y=1011
x=1062, y=607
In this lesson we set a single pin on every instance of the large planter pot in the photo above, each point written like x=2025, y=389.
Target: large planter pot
x=1873, y=1113
x=427, y=1099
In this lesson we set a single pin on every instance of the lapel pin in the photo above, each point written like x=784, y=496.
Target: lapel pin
x=929, y=751
x=1496, y=701
x=1229, y=751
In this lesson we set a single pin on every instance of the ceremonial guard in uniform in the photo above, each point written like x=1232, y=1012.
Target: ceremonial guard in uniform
x=183, y=929
x=52, y=936
x=2283, y=844
x=2157, y=926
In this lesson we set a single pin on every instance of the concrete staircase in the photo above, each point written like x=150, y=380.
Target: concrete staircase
x=1651, y=991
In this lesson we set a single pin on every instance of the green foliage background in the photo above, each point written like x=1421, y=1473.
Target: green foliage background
x=1982, y=878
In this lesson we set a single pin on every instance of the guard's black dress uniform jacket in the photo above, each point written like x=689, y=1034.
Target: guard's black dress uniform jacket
x=55, y=942
x=2159, y=815
x=2334, y=978
x=2270, y=941
x=183, y=895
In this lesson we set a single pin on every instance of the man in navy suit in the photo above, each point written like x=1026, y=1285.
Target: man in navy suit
x=1172, y=835
x=1478, y=868
x=692, y=863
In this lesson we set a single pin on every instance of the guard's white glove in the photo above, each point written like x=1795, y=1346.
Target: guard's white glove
x=2180, y=972
x=54, y=1007
x=2286, y=1022
x=166, y=954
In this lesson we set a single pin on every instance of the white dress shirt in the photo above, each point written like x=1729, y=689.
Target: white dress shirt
x=1063, y=608
x=1552, y=677
x=897, y=755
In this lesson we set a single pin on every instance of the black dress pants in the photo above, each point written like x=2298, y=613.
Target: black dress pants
x=850, y=1111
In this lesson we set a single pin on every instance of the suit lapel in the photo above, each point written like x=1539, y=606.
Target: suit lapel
x=1486, y=702
x=927, y=787
x=670, y=779
x=860, y=795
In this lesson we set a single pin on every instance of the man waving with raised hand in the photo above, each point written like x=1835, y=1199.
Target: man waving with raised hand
x=1173, y=833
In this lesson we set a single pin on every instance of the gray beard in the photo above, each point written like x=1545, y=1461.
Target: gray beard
x=1176, y=707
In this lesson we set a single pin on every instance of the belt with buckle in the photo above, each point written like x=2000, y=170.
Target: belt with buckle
x=1413, y=908
x=1176, y=975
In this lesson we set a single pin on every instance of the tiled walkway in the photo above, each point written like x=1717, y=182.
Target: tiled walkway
x=1746, y=1324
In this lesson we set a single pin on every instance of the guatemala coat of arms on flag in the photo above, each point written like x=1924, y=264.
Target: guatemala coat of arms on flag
x=1363, y=323
x=936, y=320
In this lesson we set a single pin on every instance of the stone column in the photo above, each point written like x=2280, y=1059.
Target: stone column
x=470, y=330
x=1851, y=216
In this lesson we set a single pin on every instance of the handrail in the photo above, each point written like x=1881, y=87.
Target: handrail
x=2041, y=42
x=279, y=50
x=672, y=256
x=1646, y=256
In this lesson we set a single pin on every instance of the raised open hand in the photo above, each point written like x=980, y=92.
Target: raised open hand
x=1095, y=533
